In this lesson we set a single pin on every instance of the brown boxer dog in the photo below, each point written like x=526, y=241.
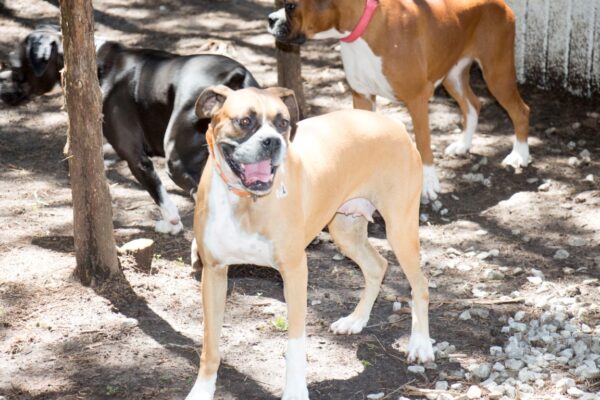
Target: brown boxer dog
x=262, y=199
x=402, y=49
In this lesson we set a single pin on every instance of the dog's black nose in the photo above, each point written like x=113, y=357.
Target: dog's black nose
x=271, y=144
x=272, y=21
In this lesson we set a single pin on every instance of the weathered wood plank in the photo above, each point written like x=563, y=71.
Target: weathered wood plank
x=559, y=33
x=580, y=48
x=536, y=38
x=519, y=7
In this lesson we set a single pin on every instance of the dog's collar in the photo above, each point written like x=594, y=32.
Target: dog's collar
x=211, y=150
x=363, y=22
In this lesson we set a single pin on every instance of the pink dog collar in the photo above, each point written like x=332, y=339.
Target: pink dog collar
x=366, y=17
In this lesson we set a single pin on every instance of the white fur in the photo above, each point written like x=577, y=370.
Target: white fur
x=519, y=156
x=295, y=370
x=349, y=325
x=331, y=34
x=431, y=184
x=171, y=222
x=223, y=235
x=463, y=145
x=203, y=389
x=364, y=70
x=420, y=348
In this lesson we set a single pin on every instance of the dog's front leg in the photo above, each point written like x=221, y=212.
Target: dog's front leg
x=214, y=296
x=295, y=281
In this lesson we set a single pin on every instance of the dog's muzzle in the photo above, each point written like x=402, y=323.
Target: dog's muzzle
x=255, y=161
x=280, y=28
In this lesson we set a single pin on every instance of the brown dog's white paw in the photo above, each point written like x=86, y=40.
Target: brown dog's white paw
x=420, y=348
x=349, y=325
x=519, y=156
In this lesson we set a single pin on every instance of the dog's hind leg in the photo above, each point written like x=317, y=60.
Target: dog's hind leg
x=402, y=229
x=457, y=85
x=350, y=235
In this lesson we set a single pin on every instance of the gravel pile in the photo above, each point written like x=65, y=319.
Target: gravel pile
x=553, y=355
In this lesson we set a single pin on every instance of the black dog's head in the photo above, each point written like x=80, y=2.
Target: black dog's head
x=34, y=66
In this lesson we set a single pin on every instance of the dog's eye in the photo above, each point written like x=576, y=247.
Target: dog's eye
x=283, y=124
x=290, y=7
x=245, y=122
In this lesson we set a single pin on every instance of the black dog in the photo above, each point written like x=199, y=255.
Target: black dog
x=34, y=66
x=148, y=106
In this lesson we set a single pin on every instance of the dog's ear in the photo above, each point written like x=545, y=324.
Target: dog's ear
x=211, y=100
x=41, y=49
x=289, y=99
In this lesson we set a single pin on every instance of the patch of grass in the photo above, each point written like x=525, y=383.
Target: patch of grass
x=112, y=390
x=365, y=363
x=280, y=323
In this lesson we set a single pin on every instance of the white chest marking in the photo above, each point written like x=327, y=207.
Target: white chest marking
x=223, y=235
x=364, y=70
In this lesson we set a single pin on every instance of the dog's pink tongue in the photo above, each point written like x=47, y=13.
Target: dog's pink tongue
x=260, y=171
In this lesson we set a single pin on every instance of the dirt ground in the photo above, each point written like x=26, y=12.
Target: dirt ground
x=139, y=339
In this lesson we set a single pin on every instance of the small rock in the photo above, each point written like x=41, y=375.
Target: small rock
x=589, y=178
x=576, y=125
x=338, y=257
x=416, y=369
x=396, y=306
x=571, y=145
x=576, y=241
x=493, y=275
x=574, y=162
x=480, y=312
x=537, y=272
x=550, y=131
x=561, y=254
x=544, y=187
x=525, y=375
x=465, y=316
x=520, y=315
x=482, y=371
x=464, y=267
x=315, y=302
x=498, y=366
x=536, y=280
x=586, y=328
x=474, y=392
x=437, y=206
x=441, y=385
x=424, y=217
x=514, y=365
x=585, y=155
x=532, y=180
x=375, y=396
x=575, y=392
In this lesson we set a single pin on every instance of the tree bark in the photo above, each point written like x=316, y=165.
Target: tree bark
x=289, y=71
x=95, y=248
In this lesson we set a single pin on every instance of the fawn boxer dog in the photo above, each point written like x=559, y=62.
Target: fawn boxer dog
x=402, y=49
x=262, y=199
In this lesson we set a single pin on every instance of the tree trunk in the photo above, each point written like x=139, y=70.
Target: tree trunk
x=95, y=248
x=289, y=72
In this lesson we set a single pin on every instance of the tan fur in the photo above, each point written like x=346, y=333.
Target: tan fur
x=334, y=158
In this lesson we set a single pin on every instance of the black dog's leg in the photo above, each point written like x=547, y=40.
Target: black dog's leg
x=124, y=132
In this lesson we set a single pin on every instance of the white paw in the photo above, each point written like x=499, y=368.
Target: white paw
x=519, y=156
x=349, y=325
x=204, y=389
x=298, y=392
x=168, y=228
x=457, y=148
x=431, y=184
x=420, y=348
